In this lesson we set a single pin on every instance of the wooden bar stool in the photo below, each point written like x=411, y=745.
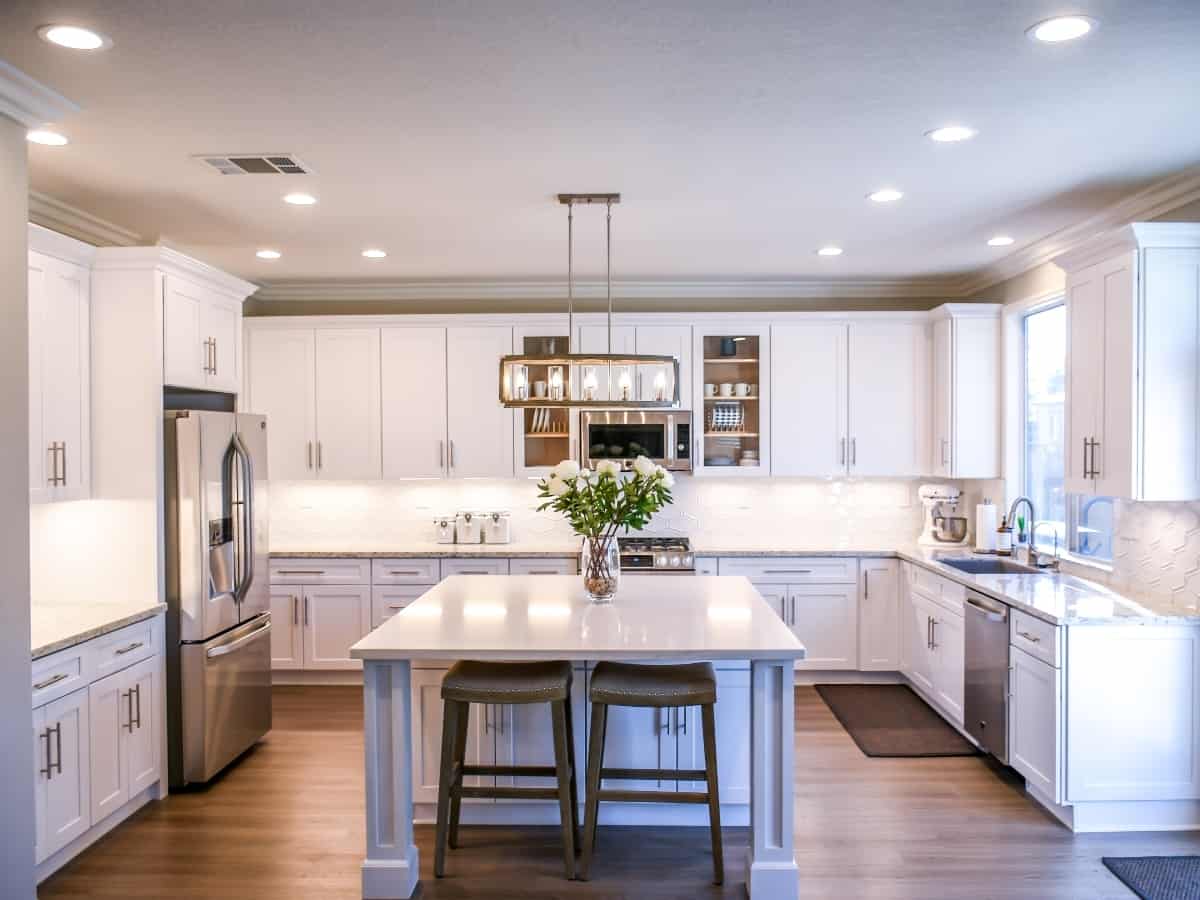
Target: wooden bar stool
x=660, y=687
x=505, y=683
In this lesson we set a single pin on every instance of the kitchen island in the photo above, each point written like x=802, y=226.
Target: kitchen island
x=549, y=617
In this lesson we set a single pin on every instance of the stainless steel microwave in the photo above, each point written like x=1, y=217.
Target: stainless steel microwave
x=623, y=435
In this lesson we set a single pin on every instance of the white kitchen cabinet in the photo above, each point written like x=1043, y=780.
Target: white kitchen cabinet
x=59, y=378
x=524, y=737
x=966, y=391
x=62, y=773
x=544, y=436
x=918, y=652
x=201, y=336
x=287, y=634
x=1133, y=388
x=936, y=647
x=879, y=627
x=536, y=566
x=334, y=618
x=737, y=354
x=389, y=599
x=949, y=649
x=888, y=391
x=638, y=737
x=1035, y=722
x=347, y=404
x=125, y=734
x=732, y=715
x=427, y=708
x=480, y=429
x=825, y=618
x=281, y=385
x=595, y=339
x=414, y=408
x=665, y=340
x=777, y=598
x=808, y=414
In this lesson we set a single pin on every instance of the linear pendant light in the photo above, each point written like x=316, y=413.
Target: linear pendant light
x=574, y=380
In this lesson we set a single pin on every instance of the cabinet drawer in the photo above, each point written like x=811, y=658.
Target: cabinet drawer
x=60, y=673
x=1035, y=637
x=706, y=565
x=925, y=581
x=474, y=567
x=543, y=566
x=388, y=600
x=123, y=648
x=320, y=571
x=405, y=571
x=793, y=569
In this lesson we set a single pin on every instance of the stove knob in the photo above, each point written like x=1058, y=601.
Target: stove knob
x=676, y=561
x=660, y=561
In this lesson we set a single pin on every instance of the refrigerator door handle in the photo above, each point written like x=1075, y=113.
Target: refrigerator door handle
x=244, y=564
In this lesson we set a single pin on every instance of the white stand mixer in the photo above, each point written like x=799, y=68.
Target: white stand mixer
x=943, y=527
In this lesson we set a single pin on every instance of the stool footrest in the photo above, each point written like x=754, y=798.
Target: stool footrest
x=653, y=796
x=654, y=774
x=505, y=793
x=513, y=771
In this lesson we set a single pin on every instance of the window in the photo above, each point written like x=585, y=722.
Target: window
x=1082, y=524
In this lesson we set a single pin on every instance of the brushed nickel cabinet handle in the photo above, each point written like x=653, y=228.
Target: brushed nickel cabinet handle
x=1029, y=637
x=854, y=451
x=787, y=571
x=306, y=611
x=310, y=456
x=137, y=696
x=45, y=735
x=295, y=610
x=866, y=584
x=62, y=449
x=1095, y=467
x=214, y=356
x=842, y=461
x=1086, y=472
x=441, y=454
x=129, y=648
x=413, y=572
x=42, y=685
x=452, y=454
x=933, y=623
x=320, y=461
x=58, y=747
x=128, y=695
x=299, y=571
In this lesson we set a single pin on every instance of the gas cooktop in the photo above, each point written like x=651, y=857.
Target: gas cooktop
x=658, y=555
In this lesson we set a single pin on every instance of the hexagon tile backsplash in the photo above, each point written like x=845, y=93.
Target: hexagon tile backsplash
x=1156, y=550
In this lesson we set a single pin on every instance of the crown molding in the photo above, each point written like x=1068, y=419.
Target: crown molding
x=172, y=262
x=50, y=213
x=332, y=290
x=1160, y=197
x=28, y=102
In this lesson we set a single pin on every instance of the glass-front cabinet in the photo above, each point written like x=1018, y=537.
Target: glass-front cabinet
x=730, y=367
x=544, y=436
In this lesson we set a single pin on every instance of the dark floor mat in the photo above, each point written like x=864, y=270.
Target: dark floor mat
x=891, y=720
x=1158, y=877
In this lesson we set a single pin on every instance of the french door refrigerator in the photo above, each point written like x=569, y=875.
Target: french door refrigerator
x=218, y=597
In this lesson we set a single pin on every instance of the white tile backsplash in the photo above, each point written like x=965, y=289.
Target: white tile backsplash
x=1156, y=550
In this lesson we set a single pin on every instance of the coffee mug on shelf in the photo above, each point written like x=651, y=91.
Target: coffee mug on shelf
x=753, y=390
x=727, y=390
x=539, y=389
x=741, y=389
x=710, y=390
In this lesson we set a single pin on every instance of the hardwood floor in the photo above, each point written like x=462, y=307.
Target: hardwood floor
x=286, y=822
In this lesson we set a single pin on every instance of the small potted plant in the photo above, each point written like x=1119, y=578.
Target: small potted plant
x=597, y=504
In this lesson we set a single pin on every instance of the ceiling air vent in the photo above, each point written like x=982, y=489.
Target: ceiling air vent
x=255, y=164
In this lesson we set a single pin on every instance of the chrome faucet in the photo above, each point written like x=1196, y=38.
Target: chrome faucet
x=1035, y=558
x=1030, y=553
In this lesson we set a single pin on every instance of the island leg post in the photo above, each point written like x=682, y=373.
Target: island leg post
x=771, y=872
x=391, y=869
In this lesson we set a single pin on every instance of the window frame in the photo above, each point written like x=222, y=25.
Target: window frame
x=1045, y=304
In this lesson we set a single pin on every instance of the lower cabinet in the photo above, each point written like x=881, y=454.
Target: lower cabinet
x=62, y=773
x=287, y=648
x=524, y=736
x=389, y=599
x=314, y=626
x=1035, y=722
x=879, y=615
x=823, y=616
x=125, y=734
x=935, y=652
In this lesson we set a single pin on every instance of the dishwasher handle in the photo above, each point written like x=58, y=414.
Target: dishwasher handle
x=994, y=610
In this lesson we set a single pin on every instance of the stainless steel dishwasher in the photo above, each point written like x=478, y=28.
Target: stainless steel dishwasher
x=985, y=688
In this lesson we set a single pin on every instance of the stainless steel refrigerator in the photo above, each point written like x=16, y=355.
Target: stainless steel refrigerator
x=218, y=598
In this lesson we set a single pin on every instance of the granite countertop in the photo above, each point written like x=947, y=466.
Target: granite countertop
x=365, y=550
x=55, y=627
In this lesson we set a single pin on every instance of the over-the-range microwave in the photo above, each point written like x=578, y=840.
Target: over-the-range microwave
x=623, y=435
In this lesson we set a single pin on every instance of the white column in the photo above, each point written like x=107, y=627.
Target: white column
x=771, y=872
x=391, y=868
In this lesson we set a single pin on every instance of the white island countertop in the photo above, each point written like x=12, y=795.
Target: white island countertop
x=513, y=617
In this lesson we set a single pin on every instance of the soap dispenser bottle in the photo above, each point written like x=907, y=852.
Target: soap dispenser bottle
x=1004, y=545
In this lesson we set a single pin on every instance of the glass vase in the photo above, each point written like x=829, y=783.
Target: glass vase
x=600, y=564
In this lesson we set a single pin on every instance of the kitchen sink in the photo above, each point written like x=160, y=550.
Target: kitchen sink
x=990, y=567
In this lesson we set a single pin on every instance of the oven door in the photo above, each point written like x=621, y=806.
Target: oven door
x=624, y=435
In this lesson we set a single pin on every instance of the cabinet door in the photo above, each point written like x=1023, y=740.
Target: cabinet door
x=638, y=738
x=1035, y=722
x=808, y=380
x=777, y=598
x=732, y=714
x=917, y=642
x=879, y=615
x=41, y=466
x=413, y=370
x=281, y=384
x=427, y=708
x=335, y=618
x=525, y=737
x=220, y=323
x=594, y=339
x=480, y=429
x=1085, y=374
x=949, y=652
x=665, y=340
x=1113, y=457
x=942, y=451
x=185, y=356
x=347, y=407
x=109, y=722
x=142, y=738
x=286, y=632
x=975, y=450
x=63, y=787
x=888, y=399
x=387, y=600
x=825, y=619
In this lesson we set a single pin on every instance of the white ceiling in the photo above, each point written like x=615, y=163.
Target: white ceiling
x=742, y=135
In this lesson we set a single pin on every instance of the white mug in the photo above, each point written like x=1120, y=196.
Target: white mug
x=741, y=389
x=753, y=390
x=539, y=389
x=727, y=390
x=710, y=390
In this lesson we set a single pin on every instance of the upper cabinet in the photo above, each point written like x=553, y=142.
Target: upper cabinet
x=1133, y=363
x=59, y=367
x=966, y=391
x=850, y=399
x=544, y=436
x=201, y=335
x=731, y=424
x=414, y=404
x=479, y=429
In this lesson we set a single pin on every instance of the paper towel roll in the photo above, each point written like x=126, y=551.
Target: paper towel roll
x=985, y=527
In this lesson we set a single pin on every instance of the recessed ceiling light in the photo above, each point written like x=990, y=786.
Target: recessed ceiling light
x=268, y=254
x=300, y=199
x=1000, y=240
x=374, y=253
x=830, y=251
x=74, y=37
x=1061, y=28
x=949, y=134
x=885, y=195
x=49, y=138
